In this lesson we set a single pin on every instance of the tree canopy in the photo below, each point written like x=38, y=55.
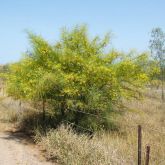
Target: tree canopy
x=77, y=74
x=157, y=47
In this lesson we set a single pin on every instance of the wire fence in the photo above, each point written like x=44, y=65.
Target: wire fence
x=71, y=123
x=147, y=127
x=147, y=156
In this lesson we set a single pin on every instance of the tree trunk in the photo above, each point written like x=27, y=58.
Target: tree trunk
x=20, y=106
x=78, y=117
x=43, y=110
x=43, y=116
x=62, y=109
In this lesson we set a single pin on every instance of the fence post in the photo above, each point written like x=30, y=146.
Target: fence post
x=147, y=155
x=139, y=144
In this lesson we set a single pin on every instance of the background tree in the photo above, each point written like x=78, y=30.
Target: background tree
x=3, y=71
x=157, y=47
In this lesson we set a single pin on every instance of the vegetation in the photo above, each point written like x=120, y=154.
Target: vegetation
x=78, y=87
x=76, y=74
x=157, y=46
x=65, y=146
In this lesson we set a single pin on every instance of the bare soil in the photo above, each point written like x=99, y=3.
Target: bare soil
x=16, y=148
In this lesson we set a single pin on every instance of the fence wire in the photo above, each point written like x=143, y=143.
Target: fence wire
x=71, y=123
x=146, y=128
x=131, y=126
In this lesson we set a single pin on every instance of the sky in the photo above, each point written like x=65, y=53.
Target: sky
x=130, y=22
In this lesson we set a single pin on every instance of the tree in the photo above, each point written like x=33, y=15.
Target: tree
x=75, y=74
x=3, y=71
x=157, y=47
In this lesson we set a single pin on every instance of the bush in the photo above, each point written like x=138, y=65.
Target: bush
x=76, y=74
x=68, y=148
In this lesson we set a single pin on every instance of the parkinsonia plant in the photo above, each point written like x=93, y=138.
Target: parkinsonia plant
x=77, y=74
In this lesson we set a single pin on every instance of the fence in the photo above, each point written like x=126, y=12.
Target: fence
x=139, y=128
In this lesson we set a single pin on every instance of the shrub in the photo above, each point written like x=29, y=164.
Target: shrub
x=68, y=148
x=76, y=74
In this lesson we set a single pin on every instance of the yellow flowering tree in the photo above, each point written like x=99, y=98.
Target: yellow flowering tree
x=75, y=75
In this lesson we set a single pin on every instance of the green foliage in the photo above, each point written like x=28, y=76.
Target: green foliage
x=157, y=46
x=76, y=74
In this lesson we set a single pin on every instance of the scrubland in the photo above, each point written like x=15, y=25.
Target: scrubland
x=64, y=145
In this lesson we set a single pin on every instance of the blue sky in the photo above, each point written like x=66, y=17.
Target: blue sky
x=129, y=20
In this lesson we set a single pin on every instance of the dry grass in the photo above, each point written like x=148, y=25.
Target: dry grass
x=23, y=118
x=66, y=147
x=150, y=114
x=6, y=116
x=117, y=148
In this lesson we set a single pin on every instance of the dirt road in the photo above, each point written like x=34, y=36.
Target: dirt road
x=15, y=148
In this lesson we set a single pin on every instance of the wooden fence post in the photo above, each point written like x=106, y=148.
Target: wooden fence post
x=147, y=155
x=139, y=144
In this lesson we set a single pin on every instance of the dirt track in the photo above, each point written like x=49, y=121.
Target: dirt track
x=15, y=148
